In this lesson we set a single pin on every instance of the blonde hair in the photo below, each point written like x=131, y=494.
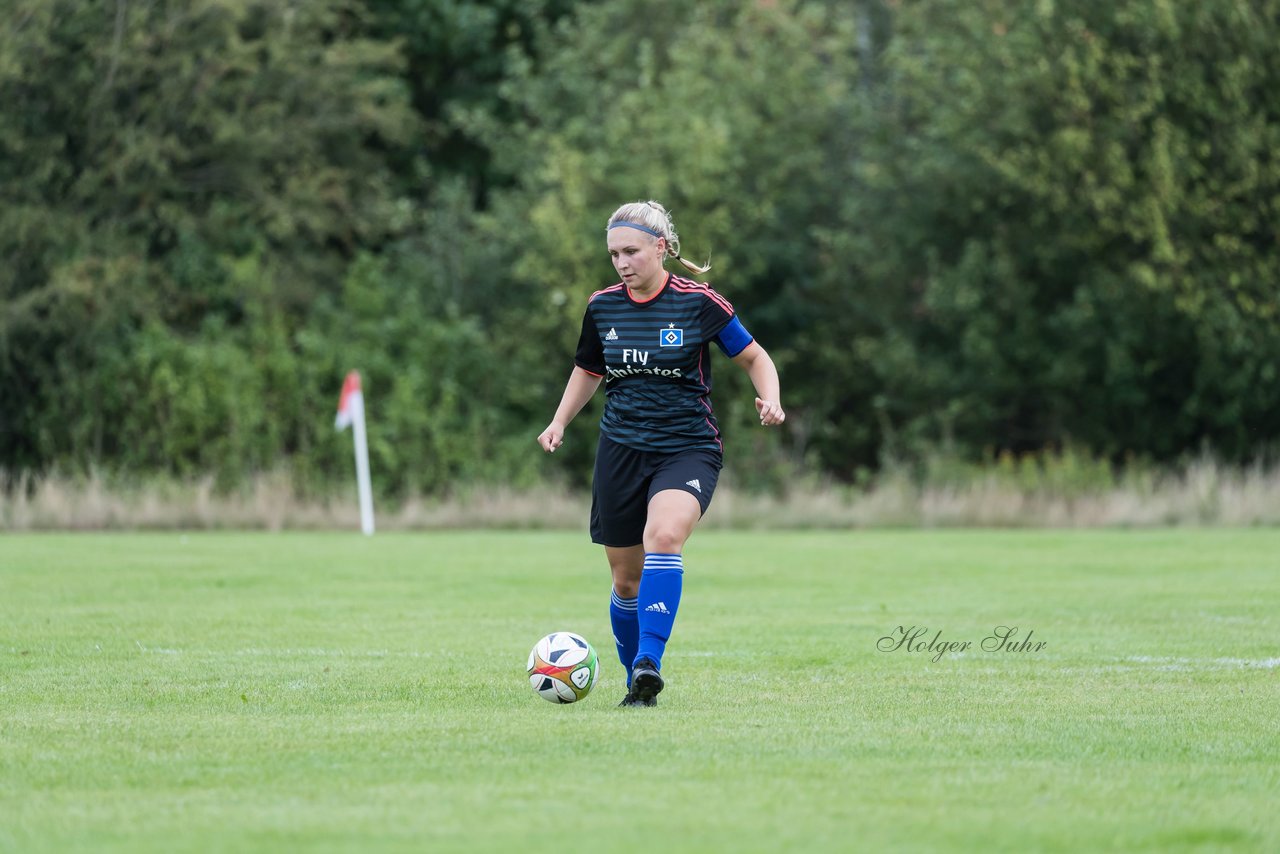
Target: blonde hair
x=655, y=220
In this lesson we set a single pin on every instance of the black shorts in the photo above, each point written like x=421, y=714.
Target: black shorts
x=625, y=479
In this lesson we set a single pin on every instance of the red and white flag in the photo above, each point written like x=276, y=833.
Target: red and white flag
x=352, y=399
x=351, y=414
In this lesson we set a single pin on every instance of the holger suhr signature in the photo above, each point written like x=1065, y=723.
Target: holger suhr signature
x=913, y=639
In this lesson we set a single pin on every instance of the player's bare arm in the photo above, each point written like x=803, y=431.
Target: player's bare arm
x=581, y=386
x=759, y=366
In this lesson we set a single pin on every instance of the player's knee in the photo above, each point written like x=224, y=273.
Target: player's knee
x=664, y=538
x=626, y=588
x=626, y=571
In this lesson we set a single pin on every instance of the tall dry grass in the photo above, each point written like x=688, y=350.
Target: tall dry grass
x=1054, y=495
x=269, y=502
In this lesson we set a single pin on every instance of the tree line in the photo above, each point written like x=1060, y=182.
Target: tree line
x=1005, y=225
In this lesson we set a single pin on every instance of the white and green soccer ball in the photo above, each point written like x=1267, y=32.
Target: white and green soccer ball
x=563, y=667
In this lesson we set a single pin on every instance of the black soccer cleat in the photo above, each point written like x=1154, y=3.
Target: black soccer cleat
x=633, y=700
x=646, y=682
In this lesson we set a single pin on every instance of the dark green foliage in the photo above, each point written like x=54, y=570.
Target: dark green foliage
x=982, y=227
x=458, y=55
x=1067, y=214
x=181, y=181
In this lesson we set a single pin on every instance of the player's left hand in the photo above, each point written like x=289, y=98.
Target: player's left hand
x=552, y=437
x=771, y=413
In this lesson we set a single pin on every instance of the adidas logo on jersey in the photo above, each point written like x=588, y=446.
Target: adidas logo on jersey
x=695, y=484
x=612, y=335
x=658, y=608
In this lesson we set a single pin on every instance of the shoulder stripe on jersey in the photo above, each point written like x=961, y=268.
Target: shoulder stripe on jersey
x=607, y=290
x=689, y=286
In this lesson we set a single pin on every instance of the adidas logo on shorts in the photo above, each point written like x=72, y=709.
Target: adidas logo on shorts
x=695, y=484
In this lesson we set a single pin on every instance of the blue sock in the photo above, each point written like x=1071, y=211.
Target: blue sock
x=626, y=630
x=657, y=602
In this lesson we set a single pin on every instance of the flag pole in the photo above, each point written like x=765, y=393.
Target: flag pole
x=351, y=411
x=362, y=469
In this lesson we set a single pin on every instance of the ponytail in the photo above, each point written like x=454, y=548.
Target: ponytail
x=692, y=267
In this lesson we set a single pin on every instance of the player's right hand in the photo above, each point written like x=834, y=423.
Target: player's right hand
x=552, y=437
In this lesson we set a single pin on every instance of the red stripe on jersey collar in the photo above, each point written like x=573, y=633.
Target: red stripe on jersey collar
x=648, y=300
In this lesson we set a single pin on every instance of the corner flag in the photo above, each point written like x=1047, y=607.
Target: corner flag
x=351, y=414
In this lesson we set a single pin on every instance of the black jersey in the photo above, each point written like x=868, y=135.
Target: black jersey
x=656, y=361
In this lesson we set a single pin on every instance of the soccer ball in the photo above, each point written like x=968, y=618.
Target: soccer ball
x=563, y=667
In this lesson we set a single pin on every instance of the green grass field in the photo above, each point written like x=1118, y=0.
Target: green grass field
x=280, y=692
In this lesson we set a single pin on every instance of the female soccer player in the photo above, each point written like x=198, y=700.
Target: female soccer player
x=649, y=337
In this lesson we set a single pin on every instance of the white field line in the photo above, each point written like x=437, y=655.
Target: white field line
x=1132, y=662
x=1151, y=662
x=259, y=652
x=1163, y=663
